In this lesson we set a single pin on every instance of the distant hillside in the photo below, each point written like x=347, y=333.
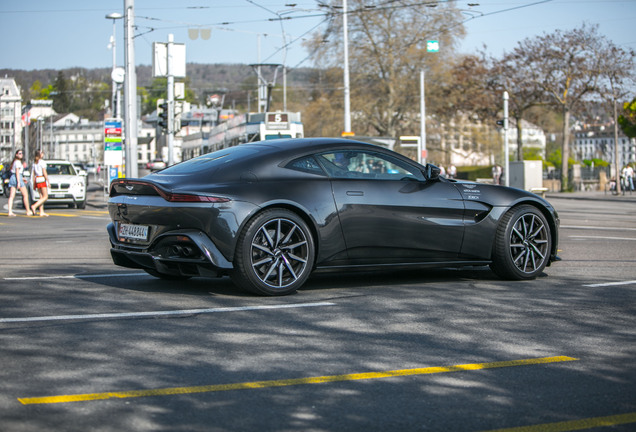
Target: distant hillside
x=202, y=78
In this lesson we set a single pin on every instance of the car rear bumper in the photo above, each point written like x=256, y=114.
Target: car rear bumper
x=179, y=253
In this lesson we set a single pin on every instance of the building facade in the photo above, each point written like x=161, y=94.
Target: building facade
x=10, y=119
x=597, y=142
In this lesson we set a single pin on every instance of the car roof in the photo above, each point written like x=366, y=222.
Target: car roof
x=58, y=161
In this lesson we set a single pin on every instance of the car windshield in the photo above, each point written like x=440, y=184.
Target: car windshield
x=60, y=169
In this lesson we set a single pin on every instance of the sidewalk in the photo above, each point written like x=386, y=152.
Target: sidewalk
x=593, y=195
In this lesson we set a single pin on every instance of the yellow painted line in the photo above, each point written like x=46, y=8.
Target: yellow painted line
x=573, y=425
x=288, y=382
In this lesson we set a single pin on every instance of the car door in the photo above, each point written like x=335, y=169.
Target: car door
x=389, y=212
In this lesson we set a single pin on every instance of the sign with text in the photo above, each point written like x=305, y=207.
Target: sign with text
x=113, y=153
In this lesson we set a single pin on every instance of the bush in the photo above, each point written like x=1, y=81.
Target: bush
x=474, y=172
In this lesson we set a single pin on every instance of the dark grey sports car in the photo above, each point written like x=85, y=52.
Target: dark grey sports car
x=271, y=212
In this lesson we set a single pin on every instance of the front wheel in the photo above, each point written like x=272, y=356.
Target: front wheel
x=274, y=254
x=522, y=244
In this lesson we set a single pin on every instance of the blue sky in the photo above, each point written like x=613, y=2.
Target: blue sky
x=45, y=34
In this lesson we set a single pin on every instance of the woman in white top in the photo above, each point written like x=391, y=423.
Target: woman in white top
x=17, y=182
x=40, y=182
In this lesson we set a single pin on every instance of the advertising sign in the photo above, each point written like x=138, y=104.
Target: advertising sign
x=113, y=153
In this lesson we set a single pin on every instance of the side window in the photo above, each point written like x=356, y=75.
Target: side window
x=367, y=165
x=306, y=164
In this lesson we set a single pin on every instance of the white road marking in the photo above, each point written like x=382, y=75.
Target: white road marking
x=77, y=276
x=163, y=313
x=597, y=228
x=632, y=282
x=603, y=237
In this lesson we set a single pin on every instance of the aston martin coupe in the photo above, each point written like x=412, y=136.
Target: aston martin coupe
x=269, y=213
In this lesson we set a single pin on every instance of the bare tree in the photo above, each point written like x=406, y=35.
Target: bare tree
x=616, y=67
x=512, y=75
x=387, y=49
x=565, y=66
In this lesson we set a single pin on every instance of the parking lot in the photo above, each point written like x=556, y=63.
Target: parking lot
x=87, y=345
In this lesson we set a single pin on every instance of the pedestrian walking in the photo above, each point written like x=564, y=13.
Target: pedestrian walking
x=40, y=182
x=497, y=172
x=452, y=172
x=17, y=182
x=629, y=174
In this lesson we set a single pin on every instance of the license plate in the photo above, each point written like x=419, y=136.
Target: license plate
x=134, y=232
x=58, y=195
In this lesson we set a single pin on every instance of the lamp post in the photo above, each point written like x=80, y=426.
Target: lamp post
x=113, y=42
x=347, y=101
x=130, y=91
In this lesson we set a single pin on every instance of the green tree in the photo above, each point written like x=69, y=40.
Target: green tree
x=627, y=120
x=62, y=96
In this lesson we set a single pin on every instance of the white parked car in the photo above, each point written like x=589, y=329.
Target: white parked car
x=67, y=184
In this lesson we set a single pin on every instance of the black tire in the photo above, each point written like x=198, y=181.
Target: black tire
x=274, y=254
x=165, y=276
x=80, y=205
x=522, y=244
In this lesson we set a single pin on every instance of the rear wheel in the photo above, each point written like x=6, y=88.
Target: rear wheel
x=522, y=244
x=275, y=254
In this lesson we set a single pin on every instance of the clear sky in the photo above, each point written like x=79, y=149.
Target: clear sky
x=56, y=34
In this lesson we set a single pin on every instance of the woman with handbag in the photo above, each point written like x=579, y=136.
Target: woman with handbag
x=40, y=182
x=17, y=182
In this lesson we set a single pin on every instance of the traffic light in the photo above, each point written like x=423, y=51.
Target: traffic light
x=162, y=114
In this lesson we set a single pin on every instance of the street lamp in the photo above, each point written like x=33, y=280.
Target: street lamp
x=114, y=16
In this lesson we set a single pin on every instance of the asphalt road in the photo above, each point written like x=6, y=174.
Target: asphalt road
x=85, y=345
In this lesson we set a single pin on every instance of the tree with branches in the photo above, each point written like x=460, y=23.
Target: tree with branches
x=387, y=50
x=617, y=79
x=564, y=65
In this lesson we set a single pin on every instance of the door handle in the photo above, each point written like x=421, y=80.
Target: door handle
x=355, y=193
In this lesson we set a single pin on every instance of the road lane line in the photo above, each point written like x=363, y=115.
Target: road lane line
x=573, y=425
x=76, y=276
x=602, y=237
x=161, y=313
x=289, y=382
x=599, y=228
x=606, y=284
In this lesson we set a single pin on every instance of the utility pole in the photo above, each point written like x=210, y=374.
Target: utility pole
x=421, y=158
x=170, y=96
x=347, y=102
x=130, y=92
x=506, y=149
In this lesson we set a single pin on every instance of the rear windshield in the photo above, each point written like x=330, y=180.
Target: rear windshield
x=212, y=160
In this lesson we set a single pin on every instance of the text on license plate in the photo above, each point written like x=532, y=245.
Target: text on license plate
x=136, y=232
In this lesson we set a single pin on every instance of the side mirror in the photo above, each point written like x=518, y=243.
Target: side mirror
x=432, y=172
x=82, y=173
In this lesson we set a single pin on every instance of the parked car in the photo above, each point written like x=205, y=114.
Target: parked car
x=67, y=184
x=271, y=212
x=155, y=165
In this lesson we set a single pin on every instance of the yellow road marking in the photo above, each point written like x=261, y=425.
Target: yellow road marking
x=288, y=382
x=573, y=425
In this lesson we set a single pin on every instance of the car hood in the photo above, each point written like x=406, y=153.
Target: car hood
x=63, y=178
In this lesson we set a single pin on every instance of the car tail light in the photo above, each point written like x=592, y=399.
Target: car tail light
x=137, y=187
x=192, y=198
